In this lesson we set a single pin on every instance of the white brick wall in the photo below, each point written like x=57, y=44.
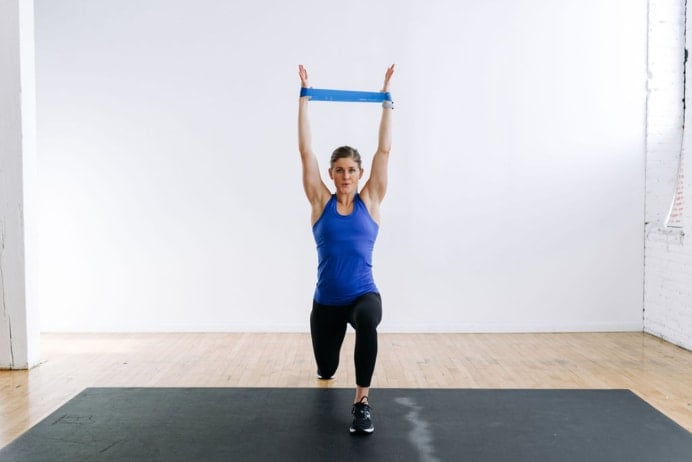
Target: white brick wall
x=668, y=251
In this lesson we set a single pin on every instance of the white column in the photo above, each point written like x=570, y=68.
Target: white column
x=19, y=325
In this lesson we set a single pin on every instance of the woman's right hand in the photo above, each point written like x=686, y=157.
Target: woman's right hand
x=303, y=73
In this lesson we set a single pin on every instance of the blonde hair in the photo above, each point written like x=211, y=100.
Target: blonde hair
x=344, y=152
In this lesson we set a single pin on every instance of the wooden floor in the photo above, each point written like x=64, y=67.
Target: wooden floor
x=657, y=371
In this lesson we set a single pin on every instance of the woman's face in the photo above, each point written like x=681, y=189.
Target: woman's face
x=345, y=172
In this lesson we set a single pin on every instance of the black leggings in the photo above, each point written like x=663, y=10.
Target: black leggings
x=328, y=328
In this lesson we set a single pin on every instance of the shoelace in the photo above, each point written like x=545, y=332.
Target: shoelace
x=362, y=407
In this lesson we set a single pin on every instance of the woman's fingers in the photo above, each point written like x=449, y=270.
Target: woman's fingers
x=303, y=73
x=387, y=76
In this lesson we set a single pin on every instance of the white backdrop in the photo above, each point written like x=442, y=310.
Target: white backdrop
x=171, y=197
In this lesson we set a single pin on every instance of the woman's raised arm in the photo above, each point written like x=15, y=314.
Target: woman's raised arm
x=315, y=189
x=376, y=187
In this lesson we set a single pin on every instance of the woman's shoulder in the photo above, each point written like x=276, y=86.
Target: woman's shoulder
x=319, y=208
x=372, y=208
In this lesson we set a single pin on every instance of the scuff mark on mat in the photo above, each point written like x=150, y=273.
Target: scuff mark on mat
x=420, y=435
x=112, y=445
x=71, y=419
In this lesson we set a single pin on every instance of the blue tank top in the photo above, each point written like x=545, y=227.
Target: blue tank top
x=344, y=251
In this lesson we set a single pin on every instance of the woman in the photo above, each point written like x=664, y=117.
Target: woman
x=345, y=225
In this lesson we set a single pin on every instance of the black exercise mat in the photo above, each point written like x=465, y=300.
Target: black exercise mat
x=311, y=424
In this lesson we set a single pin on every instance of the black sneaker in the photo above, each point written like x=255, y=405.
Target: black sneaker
x=362, y=421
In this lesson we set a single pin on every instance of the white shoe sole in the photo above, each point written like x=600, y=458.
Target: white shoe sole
x=369, y=430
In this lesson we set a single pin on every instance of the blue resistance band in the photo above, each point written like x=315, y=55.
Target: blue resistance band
x=320, y=94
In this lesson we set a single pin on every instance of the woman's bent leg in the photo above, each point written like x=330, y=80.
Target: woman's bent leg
x=365, y=316
x=327, y=328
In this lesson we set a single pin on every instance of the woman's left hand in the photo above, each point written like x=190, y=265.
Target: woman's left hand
x=387, y=76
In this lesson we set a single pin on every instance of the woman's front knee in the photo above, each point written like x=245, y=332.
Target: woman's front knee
x=368, y=319
x=366, y=324
x=368, y=313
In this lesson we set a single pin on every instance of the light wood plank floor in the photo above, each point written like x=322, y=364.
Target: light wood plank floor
x=657, y=371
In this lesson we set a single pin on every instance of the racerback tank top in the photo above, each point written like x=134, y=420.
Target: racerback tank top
x=344, y=252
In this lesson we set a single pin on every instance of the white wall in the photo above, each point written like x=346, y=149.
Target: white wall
x=171, y=194
x=668, y=276
x=19, y=324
